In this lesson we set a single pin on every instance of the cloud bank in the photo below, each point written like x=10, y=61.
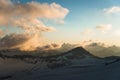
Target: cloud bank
x=28, y=17
x=102, y=50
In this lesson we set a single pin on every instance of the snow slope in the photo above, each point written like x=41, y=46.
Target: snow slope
x=76, y=64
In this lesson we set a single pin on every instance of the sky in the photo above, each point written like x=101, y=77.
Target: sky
x=61, y=21
x=81, y=22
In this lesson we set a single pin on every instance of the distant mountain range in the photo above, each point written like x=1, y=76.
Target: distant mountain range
x=76, y=53
x=74, y=57
x=77, y=62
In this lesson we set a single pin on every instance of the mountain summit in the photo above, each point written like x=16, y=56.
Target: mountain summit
x=78, y=52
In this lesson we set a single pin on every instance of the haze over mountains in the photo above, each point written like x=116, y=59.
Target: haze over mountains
x=95, y=48
x=54, y=40
x=30, y=67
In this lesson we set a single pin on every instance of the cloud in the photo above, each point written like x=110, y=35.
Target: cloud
x=114, y=9
x=27, y=17
x=13, y=40
x=88, y=31
x=33, y=9
x=52, y=46
x=102, y=50
x=104, y=27
x=92, y=31
x=32, y=25
x=96, y=48
x=67, y=46
x=60, y=48
x=20, y=41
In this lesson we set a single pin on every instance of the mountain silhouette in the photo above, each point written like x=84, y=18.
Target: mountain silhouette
x=78, y=52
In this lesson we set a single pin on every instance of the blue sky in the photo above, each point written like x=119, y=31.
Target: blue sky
x=82, y=20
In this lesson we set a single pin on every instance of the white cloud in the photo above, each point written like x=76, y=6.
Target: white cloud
x=114, y=9
x=104, y=27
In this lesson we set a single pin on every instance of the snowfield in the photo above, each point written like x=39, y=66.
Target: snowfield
x=76, y=64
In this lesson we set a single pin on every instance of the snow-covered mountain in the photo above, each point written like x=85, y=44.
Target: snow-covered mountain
x=76, y=62
x=79, y=56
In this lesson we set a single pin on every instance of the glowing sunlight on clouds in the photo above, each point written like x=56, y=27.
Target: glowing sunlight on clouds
x=28, y=17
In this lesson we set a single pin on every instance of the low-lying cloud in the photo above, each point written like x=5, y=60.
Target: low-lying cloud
x=103, y=50
x=20, y=41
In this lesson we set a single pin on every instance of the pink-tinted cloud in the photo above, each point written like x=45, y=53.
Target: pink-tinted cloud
x=28, y=17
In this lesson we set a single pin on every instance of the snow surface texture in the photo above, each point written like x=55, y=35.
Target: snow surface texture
x=77, y=64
